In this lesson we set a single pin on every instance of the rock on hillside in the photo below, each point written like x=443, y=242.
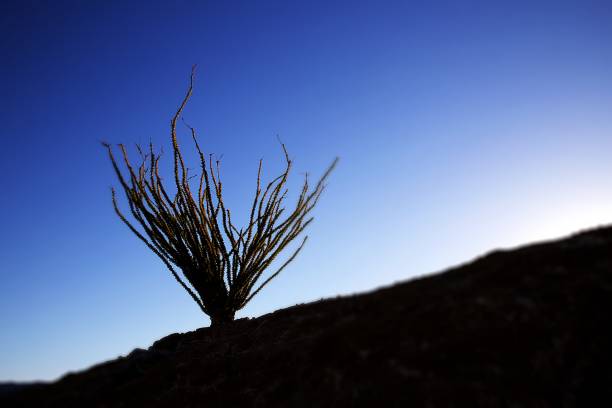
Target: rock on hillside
x=523, y=328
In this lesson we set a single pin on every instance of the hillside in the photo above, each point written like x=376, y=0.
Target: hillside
x=528, y=327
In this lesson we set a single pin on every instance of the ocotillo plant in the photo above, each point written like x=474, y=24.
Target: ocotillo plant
x=194, y=233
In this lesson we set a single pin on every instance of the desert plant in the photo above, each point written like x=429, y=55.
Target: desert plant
x=195, y=232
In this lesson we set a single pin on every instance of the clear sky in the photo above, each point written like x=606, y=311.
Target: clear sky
x=461, y=127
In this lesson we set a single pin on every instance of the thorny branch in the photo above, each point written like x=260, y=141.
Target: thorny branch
x=195, y=232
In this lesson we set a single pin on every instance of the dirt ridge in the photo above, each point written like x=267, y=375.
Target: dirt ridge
x=527, y=327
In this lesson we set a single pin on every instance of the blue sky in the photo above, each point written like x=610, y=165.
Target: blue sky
x=461, y=127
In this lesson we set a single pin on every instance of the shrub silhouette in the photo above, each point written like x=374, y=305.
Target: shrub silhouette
x=195, y=233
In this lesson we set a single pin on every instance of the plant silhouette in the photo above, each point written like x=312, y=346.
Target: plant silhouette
x=195, y=232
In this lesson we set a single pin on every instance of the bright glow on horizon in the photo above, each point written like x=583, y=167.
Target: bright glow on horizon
x=568, y=218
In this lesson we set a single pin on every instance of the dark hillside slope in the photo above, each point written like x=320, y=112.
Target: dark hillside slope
x=523, y=328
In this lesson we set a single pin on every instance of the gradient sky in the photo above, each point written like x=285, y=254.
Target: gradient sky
x=461, y=127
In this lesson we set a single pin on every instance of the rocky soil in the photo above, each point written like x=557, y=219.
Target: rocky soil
x=523, y=328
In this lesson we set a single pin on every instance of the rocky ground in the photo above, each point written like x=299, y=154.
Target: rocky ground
x=522, y=328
